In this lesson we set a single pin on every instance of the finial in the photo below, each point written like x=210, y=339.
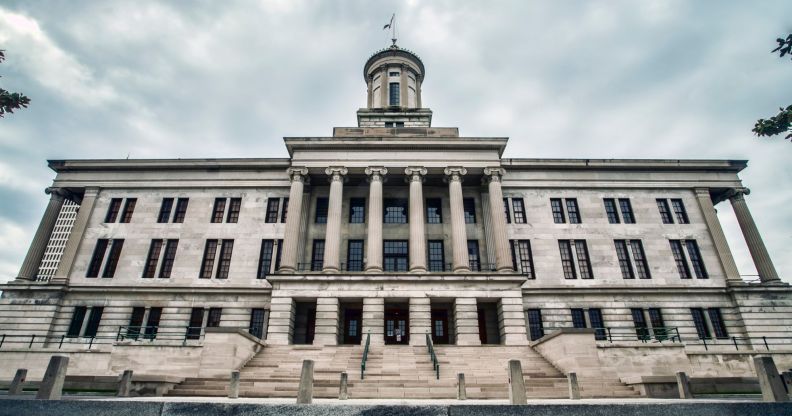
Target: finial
x=392, y=26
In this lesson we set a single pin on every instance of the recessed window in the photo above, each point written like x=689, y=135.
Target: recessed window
x=265, y=259
x=395, y=211
x=473, y=255
x=165, y=210
x=218, y=210
x=357, y=210
x=572, y=250
x=321, y=211
x=623, y=250
x=395, y=255
x=665, y=212
x=613, y=213
x=113, y=209
x=519, y=210
x=273, y=206
x=434, y=211
x=233, y=210
x=522, y=257
x=153, y=258
x=679, y=211
x=436, y=256
x=572, y=212
x=181, y=210
x=626, y=211
x=108, y=270
x=506, y=210
x=257, y=319
x=610, y=210
x=535, y=326
x=394, y=124
x=317, y=255
x=394, y=94
x=469, y=205
x=355, y=256
x=393, y=74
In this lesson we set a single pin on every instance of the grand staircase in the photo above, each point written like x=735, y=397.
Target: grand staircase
x=399, y=372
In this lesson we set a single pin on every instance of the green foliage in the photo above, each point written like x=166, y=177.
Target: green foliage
x=781, y=122
x=10, y=101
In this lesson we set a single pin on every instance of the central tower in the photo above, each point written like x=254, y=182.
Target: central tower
x=393, y=79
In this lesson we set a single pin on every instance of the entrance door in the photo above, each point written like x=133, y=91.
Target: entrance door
x=482, y=326
x=352, y=326
x=397, y=324
x=440, y=326
x=311, y=329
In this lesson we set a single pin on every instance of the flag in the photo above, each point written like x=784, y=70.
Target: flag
x=388, y=26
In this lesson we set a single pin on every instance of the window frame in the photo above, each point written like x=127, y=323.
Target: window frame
x=469, y=210
x=519, y=211
x=320, y=213
x=435, y=255
x=355, y=255
x=273, y=210
x=391, y=259
x=165, y=211
x=357, y=210
x=611, y=212
x=434, y=217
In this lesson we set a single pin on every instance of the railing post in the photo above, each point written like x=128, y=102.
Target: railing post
x=16, y=385
x=764, y=338
x=705, y=344
x=60, y=345
x=2, y=340
x=461, y=391
x=52, y=384
x=610, y=337
x=32, y=338
x=90, y=343
x=734, y=340
x=233, y=385
x=342, y=387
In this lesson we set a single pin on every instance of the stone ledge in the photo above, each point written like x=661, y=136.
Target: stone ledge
x=238, y=331
x=562, y=331
x=398, y=277
x=639, y=344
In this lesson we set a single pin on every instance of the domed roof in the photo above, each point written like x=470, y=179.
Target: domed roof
x=394, y=51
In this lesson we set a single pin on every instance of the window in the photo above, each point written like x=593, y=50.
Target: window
x=165, y=210
x=519, y=210
x=285, y=209
x=473, y=255
x=96, y=259
x=434, y=212
x=395, y=211
x=584, y=265
x=355, y=255
x=112, y=258
x=566, y=259
x=610, y=210
x=394, y=124
x=273, y=205
x=265, y=259
x=196, y=323
x=152, y=325
x=215, y=315
x=535, y=327
x=639, y=320
x=658, y=325
x=207, y=264
x=572, y=211
x=92, y=327
x=75, y=326
x=624, y=259
x=695, y=259
x=595, y=318
x=357, y=210
x=506, y=212
x=257, y=316
x=665, y=212
x=113, y=209
x=218, y=210
x=152, y=259
x=394, y=94
x=395, y=254
x=626, y=211
x=578, y=318
x=700, y=322
x=469, y=206
x=393, y=74
x=679, y=259
x=129, y=208
x=181, y=210
x=641, y=266
x=679, y=211
x=718, y=326
x=558, y=211
x=436, y=256
x=317, y=255
x=321, y=211
x=135, y=322
x=278, y=254
x=233, y=210
x=224, y=265
x=524, y=259
x=167, y=261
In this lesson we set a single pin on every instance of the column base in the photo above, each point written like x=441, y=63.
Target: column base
x=329, y=270
x=287, y=270
x=462, y=269
x=374, y=269
x=506, y=269
x=418, y=270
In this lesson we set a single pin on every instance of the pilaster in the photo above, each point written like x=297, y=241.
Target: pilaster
x=327, y=310
x=281, y=321
x=466, y=321
x=373, y=320
x=420, y=320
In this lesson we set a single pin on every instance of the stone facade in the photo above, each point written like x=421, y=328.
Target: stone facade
x=486, y=268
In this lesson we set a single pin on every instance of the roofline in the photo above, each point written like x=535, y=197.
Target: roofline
x=70, y=165
x=728, y=165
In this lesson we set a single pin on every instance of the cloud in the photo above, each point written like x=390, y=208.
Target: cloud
x=622, y=79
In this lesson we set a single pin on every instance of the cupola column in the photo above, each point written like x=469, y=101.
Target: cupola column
x=418, y=91
x=291, y=238
x=30, y=266
x=761, y=259
x=403, y=87
x=503, y=261
x=376, y=175
x=333, y=231
x=415, y=176
x=461, y=262
x=384, y=87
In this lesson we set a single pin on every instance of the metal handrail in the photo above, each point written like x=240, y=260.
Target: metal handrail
x=432, y=355
x=365, y=355
x=150, y=333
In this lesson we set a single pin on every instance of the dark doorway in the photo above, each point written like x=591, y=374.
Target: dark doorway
x=397, y=324
x=352, y=326
x=440, y=326
x=488, y=323
x=304, y=322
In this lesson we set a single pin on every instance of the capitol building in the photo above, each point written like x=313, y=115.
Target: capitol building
x=400, y=253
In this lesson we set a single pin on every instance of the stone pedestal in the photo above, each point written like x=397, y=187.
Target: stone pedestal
x=769, y=380
x=281, y=321
x=291, y=237
x=233, y=385
x=125, y=384
x=466, y=321
x=326, y=321
x=305, y=389
x=420, y=320
x=51, y=386
x=683, y=385
x=574, y=387
x=517, y=394
x=373, y=320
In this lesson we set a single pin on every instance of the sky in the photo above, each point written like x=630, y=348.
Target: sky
x=562, y=79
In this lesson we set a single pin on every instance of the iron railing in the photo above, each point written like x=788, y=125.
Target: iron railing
x=365, y=356
x=162, y=333
x=150, y=334
x=432, y=355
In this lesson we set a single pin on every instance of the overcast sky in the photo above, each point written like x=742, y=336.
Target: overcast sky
x=582, y=79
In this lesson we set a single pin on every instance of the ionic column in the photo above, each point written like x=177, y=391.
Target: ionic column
x=503, y=261
x=384, y=84
x=403, y=87
x=369, y=92
x=30, y=265
x=761, y=259
x=332, y=253
x=76, y=236
x=461, y=262
x=417, y=234
x=718, y=238
x=418, y=91
x=376, y=175
x=291, y=237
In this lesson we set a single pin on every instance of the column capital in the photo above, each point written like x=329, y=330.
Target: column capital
x=376, y=173
x=493, y=174
x=56, y=192
x=336, y=173
x=415, y=173
x=297, y=174
x=738, y=193
x=454, y=173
